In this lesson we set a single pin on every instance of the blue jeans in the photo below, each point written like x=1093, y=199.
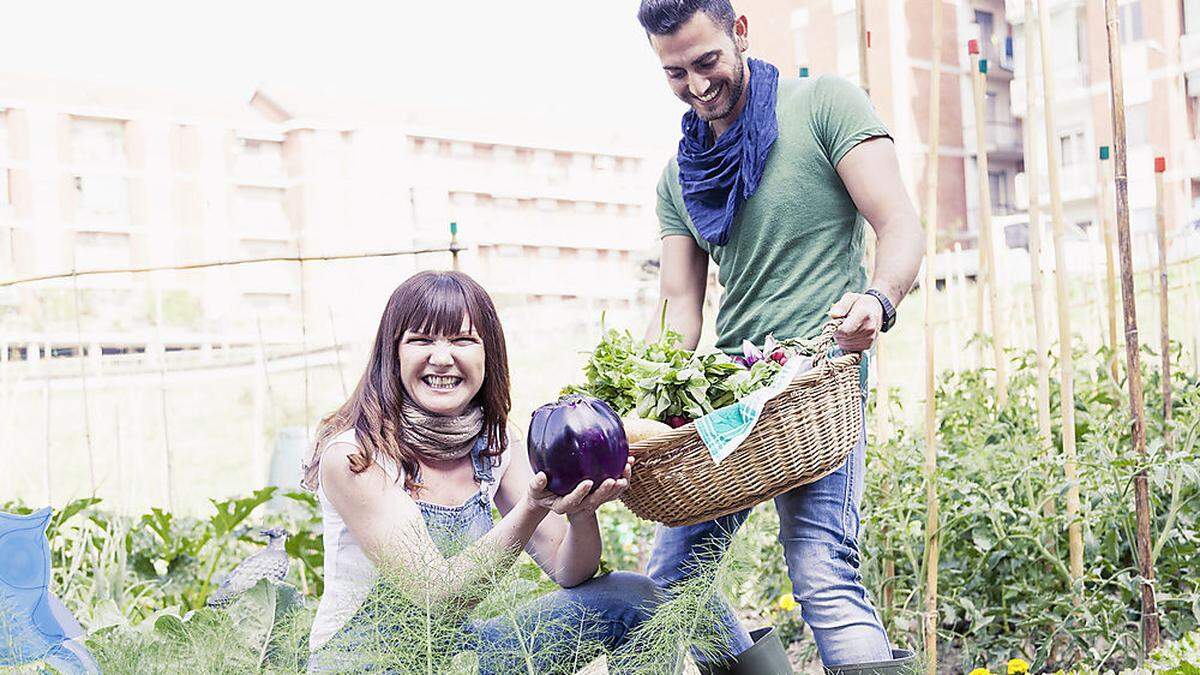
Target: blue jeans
x=819, y=528
x=548, y=630
x=601, y=612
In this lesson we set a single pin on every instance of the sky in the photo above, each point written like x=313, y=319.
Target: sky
x=586, y=60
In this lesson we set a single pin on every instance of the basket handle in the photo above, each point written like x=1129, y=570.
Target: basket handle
x=825, y=342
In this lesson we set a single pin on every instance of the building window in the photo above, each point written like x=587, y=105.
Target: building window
x=1130, y=19
x=1072, y=148
x=95, y=139
x=998, y=184
x=1137, y=124
x=103, y=197
x=987, y=34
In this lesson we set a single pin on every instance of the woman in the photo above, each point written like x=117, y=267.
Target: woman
x=408, y=469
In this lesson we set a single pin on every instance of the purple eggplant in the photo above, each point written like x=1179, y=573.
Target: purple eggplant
x=577, y=438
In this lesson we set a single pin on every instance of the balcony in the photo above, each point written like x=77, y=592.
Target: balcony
x=1004, y=139
x=999, y=55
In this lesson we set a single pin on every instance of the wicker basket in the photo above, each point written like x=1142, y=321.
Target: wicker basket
x=804, y=434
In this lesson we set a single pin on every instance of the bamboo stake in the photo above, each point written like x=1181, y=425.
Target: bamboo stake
x=304, y=342
x=48, y=409
x=952, y=291
x=1160, y=197
x=122, y=498
x=1149, y=243
x=1062, y=279
x=981, y=280
x=258, y=422
x=87, y=423
x=987, y=248
x=864, y=43
x=882, y=433
x=1036, y=274
x=337, y=353
x=270, y=393
x=162, y=386
x=960, y=272
x=454, y=249
x=932, y=523
x=1110, y=261
x=1095, y=285
x=1150, y=627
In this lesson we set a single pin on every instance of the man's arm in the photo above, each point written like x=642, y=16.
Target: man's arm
x=683, y=279
x=871, y=174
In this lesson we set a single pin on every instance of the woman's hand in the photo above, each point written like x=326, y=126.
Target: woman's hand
x=580, y=500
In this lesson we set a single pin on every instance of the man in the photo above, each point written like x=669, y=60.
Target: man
x=773, y=180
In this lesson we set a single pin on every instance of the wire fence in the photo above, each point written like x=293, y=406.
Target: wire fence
x=95, y=430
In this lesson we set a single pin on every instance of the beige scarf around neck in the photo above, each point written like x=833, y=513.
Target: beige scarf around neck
x=437, y=437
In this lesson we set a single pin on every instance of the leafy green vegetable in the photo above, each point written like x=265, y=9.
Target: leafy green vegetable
x=662, y=380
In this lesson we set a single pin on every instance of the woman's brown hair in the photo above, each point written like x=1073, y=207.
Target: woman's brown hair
x=433, y=303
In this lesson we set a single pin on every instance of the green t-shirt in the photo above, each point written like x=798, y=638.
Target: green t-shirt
x=797, y=244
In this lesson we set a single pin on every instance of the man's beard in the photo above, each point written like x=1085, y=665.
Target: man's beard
x=735, y=94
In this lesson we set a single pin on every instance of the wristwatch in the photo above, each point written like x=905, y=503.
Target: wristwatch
x=889, y=310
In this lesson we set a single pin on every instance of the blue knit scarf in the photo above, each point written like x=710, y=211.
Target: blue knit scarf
x=717, y=178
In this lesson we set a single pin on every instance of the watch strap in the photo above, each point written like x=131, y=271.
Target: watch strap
x=889, y=310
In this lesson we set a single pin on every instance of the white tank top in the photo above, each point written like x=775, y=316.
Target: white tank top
x=349, y=573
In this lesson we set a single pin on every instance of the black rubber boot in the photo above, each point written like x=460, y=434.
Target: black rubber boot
x=903, y=662
x=765, y=657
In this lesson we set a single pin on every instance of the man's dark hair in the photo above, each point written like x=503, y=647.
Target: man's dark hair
x=663, y=17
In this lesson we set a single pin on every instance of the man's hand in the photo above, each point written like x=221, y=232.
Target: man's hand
x=582, y=499
x=862, y=317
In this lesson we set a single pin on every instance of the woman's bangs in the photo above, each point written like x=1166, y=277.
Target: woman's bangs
x=440, y=310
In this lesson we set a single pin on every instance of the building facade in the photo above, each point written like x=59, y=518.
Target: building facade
x=821, y=37
x=96, y=177
x=1162, y=85
x=1161, y=57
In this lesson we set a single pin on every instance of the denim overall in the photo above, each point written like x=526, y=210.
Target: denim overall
x=602, y=610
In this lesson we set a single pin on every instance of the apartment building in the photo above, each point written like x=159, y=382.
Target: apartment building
x=104, y=177
x=821, y=37
x=1161, y=55
x=1162, y=91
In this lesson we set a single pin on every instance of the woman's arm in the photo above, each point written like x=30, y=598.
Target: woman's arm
x=388, y=525
x=566, y=545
